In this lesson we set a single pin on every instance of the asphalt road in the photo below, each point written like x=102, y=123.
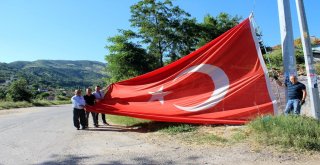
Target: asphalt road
x=46, y=135
x=35, y=135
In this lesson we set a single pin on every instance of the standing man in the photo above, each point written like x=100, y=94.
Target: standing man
x=78, y=104
x=99, y=94
x=296, y=94
x=90, y=99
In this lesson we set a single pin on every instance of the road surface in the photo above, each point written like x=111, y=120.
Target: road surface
x=45, y=135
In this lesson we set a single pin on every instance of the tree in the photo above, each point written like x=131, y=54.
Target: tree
x=264, y=49
x=212, y=27
x=186, y=40
x=157, y=24
x=3, y=93
x=18, y=91
x=163, y=33
x=126, y=59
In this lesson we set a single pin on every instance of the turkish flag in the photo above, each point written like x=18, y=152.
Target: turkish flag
x=223, y=82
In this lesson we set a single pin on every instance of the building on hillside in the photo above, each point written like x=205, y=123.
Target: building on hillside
x=42, y=90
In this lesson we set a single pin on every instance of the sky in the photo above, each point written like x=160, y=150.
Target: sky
x=78, y=29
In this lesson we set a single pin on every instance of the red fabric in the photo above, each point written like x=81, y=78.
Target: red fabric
x=222, y=82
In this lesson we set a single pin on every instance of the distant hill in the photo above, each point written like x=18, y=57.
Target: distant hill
x=54, y=73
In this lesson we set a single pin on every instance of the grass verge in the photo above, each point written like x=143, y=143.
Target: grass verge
x=126, y=121
x=289, y=132
x=10, y=105
x=24, y=104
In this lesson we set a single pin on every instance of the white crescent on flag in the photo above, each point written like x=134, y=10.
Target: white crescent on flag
x=218, y=77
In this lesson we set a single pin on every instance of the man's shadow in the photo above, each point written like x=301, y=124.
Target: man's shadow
x=115, y=128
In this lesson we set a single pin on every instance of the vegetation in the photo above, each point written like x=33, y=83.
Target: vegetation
x=274, y=59
x=42, y=103
x=53, y=74
x=18, y=91
x=45, y=82
x=288, y=132
x=127, y=59
x=297, y=132
x=11, y=104
x=24, y=104
x=126, y=121
x=179, y=128
x=162, y=34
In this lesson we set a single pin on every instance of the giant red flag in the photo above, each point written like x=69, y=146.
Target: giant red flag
x=223, y=82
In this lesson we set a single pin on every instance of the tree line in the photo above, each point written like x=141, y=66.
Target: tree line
x=160, y=33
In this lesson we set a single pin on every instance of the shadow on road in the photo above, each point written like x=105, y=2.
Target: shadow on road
x=139, y=128
x=117, y=128
x=71, y=159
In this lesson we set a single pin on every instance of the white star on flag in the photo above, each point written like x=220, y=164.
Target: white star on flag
x=158, y=95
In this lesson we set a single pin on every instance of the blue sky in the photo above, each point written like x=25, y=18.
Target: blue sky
x=78, y=29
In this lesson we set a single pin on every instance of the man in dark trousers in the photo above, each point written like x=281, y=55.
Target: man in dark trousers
x=296, y=94
x=78, y=104
x=90, y=100
x=99, y=94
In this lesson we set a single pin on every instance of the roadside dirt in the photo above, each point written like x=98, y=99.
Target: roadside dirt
x=246, y=152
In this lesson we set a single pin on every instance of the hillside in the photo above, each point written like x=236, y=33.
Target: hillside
x=54, y=73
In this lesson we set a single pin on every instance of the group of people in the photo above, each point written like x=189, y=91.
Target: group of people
x=80, y=115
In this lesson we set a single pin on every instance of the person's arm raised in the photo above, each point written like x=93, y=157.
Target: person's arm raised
x=277, y=80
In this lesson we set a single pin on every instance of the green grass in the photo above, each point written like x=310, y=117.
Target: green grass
x=288, y=132
x=42, y=103
x=151, y=126
x=296, y=132
x=126, y=121
x=238, y=136
x=10, y=105
x=24, y=104
x=179, y=128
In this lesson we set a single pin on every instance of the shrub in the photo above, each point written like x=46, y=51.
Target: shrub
x=298, y=132
x=43, y=95
x=18, y=91
x=62, y=98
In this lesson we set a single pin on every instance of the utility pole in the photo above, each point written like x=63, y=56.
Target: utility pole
x=287, y=43
x=308, y=58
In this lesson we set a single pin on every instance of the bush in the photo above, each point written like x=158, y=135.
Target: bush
x=298, y=132
x=276, y=58
x=62, y=98
x=18, y=91
x=3, y=93
x=43, y=95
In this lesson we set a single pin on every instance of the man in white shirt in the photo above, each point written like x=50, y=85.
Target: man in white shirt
x=78, y=104
x=99, y=94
